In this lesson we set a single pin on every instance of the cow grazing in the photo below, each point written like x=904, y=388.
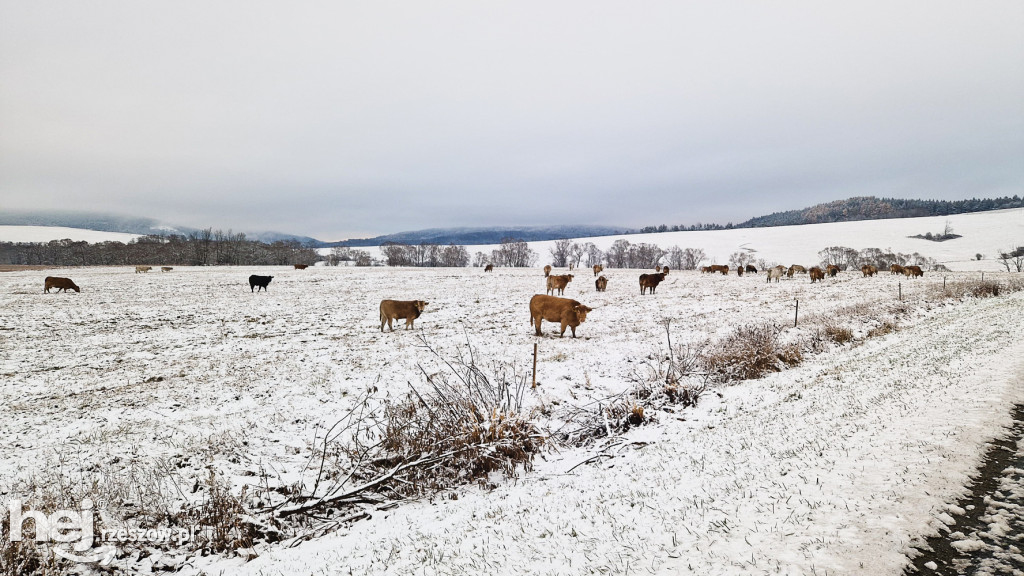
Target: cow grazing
x=664, y=270
x=598, y=269
x=601, y=284
x=705, y=269
x=817, y=274
x=751, y=269
x=489, y=268
x=260, y=281
x=868, y=270
x=739, y=270
x=166, y=268
x=650, y=281
x=61, y=284
x=832, y=270
x=547, y=271
x=558, y=283
x=408, y=310
x=301, y=266
x=569, y=313
x=913, y=272
x=721, y=268
x=896, y=269
x=657, y=268
x=143, y=269
x=794, y=269
x=776, y=273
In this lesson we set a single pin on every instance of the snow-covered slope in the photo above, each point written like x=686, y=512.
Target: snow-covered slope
x=984, y=233
x=47, y=233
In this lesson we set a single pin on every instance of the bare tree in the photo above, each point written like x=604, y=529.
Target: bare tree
x=514, y=253
x=594, y=254
x=617, y=255
x=575, y=254
x=560, y=253
x=1013, y=258
x=692, y=257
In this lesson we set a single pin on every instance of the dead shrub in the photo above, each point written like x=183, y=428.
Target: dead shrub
x=886, y=327
x=660, y=382
x=467, y=424
x=750, y=352
x=838, y=334
x=222, y=518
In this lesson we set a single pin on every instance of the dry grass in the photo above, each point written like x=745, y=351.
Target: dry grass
x=750, y=352
x=836, y=333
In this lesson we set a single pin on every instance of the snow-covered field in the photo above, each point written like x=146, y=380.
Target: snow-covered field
x=835, y=466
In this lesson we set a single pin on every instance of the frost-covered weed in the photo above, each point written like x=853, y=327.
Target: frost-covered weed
x=750, y=352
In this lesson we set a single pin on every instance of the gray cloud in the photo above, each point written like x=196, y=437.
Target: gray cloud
x=341, y=119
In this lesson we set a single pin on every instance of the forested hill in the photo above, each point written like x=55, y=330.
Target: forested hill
x=871, y=208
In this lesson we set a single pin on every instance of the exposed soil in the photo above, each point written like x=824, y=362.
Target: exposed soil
x=986, y=537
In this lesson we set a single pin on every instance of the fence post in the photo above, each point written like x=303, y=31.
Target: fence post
x=900, y=286
x=534, y=365
x=943, y=283
x=796, y=314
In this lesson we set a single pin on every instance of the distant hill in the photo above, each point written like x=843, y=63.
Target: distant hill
x=88, y=221
x=127, y=224
x=476, y=236
x=871, y=208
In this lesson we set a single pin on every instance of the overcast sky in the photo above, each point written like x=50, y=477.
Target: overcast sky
x=341, y=119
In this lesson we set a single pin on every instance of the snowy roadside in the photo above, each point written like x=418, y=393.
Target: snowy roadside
x=833, y=467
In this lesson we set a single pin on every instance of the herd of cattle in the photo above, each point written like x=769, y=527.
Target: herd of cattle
x=567, y=312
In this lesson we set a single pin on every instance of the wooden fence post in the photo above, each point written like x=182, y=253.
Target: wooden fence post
x=796, y=315
x=534, y=365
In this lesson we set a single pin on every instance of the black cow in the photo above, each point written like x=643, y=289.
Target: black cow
x=260, y=281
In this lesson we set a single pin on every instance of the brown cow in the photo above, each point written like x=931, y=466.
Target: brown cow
x=558, y=283
x=398, y=310
x=301, y=266
x=896, y=269
x=657, y=268
x=553, y=309
x=795, y=268
x=751, y=269
x=868, y=270
x=817, y=274
x=776, y=273
x=705, y=269
x=664, y=270
x=650, y=281
x=601, y=284
x=739, y=270
x=719, y=268
x=166, y=268
x=62, y=284
x=913, y=271
x=598, y=269
x=832, y=270
x=547, y=271
x=143, y=269
x=489, y=268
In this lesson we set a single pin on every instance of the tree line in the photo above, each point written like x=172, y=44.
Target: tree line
x=201, y=248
